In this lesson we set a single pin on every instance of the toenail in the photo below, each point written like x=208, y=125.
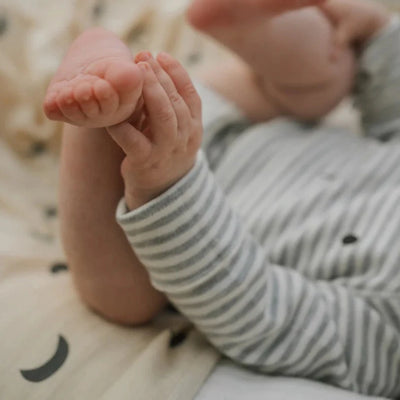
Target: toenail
x=146, y=56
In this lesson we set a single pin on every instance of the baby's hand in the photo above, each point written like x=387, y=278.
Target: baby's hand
x=161, y=145
x=356, y=21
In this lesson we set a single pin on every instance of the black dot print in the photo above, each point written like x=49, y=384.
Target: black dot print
x=98, y=10
x=58, y=267
x=50, y=212
x=3, y=24
x=177, y=338
x=363, y=77
x=49, y=368
x=350, y=239
x=137, y=32
x=387, y=136
x=194, y=58
x=38, y=148
x=170, y=307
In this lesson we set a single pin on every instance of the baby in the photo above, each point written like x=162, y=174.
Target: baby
x=284, y=251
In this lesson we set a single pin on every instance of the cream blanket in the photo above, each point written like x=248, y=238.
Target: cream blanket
x=51, y=346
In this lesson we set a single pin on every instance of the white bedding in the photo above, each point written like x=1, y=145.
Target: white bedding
x=231, y=382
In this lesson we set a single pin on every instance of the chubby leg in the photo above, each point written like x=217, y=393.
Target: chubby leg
x=206, y=14
x=236, y=81
x=292, y=56
x=106, y=272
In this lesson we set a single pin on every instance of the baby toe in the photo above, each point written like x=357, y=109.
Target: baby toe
x=50, y=107
x=83, y=93
x=106, y=97
x=69, y=106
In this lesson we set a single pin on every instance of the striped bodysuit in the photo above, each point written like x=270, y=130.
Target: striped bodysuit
x=282, y=244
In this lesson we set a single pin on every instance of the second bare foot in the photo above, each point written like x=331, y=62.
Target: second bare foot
x=293, y=57
x=208, y=14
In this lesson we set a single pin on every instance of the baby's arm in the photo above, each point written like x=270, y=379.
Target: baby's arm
x=261, y=314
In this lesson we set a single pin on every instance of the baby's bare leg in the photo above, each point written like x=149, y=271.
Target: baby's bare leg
x=236, y=81
x=106, y=272
x=299, y=67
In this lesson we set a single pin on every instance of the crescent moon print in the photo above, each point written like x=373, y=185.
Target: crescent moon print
x=50, y=367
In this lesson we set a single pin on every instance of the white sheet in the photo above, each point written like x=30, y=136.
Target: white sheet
x=231, y=382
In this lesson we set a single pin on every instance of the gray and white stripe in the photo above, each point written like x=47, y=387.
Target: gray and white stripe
x=253, y=252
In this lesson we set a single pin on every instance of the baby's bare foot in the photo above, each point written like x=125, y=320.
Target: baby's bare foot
x=288, y=47
x=97, y=84
x=206, y=14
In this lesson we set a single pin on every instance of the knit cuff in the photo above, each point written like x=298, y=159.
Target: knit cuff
x=176, y=201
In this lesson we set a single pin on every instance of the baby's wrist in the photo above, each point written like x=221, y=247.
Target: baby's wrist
x=137, y=196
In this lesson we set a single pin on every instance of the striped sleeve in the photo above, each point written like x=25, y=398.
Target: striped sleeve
x=378, y=84
x=259, y=314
